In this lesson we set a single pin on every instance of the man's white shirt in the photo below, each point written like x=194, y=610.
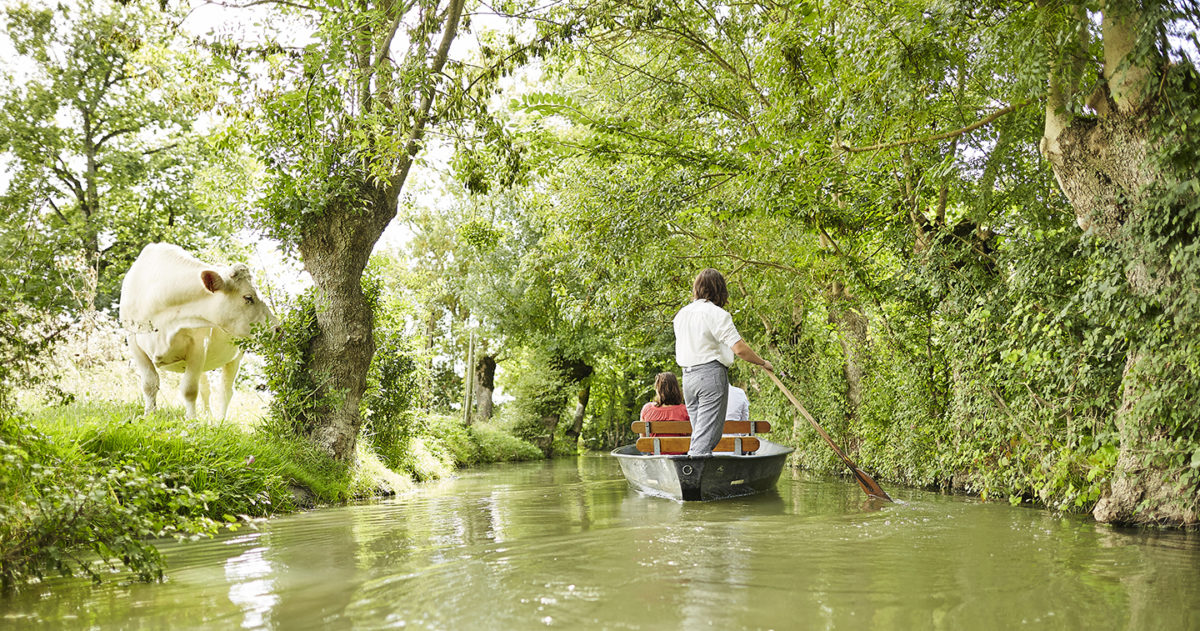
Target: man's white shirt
x=704, y=332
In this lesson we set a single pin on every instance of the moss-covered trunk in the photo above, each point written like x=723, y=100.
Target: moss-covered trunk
x=485, y=385
x=336, y=248
x=1103, y=165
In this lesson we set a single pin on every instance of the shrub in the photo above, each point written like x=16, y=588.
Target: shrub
x=109, y=512
x=496, y=445
x=392, y=389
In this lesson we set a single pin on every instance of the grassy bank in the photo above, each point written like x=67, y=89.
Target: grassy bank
x=84, y=487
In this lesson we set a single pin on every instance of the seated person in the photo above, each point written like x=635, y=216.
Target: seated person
x=667, y=404
x=739, y=406
x=668, y=401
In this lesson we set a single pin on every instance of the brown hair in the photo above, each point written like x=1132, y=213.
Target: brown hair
x=710, y=285
x=666, y=389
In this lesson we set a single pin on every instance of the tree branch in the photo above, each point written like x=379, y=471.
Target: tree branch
x=68, y=179
x=113, y=134
x=936, y=137
x=421, y=116
x=158, y=149
x=255, y=3
x=58, y=212
x=387, y=42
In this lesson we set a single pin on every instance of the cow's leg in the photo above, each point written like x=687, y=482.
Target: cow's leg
x=147, y=375
x=228, y=374
x=205, y=391
x=189, y=386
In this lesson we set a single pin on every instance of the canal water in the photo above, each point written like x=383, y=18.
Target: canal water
x=567, y=545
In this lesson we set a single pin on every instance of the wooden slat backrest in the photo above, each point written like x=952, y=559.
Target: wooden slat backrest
x=680, y=444
x=685, y=428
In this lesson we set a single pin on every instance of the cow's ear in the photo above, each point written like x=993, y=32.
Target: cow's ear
x=212, y=280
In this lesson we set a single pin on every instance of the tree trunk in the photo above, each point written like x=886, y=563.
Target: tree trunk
x=1139, y=494
x=852, y=326
x=335, y=249
x=485, y=385
x=545, y=442
x=1103, y=165
x=585, y=393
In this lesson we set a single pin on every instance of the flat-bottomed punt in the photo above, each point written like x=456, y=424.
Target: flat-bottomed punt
x=742, y=464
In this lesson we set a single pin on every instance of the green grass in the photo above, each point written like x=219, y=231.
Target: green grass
x=250, y=474
x=254, y=474
x=103, y=480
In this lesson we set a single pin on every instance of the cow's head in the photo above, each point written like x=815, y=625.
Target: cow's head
x=238, y=305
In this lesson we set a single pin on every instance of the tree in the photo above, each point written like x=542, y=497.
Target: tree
x=98, y=135
x=340, y=122
x=1106, y=113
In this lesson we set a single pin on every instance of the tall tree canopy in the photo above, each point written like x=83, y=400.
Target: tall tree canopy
x=970, y=224
x=96, y=124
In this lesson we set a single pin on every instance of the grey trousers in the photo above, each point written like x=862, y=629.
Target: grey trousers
x=706, y=394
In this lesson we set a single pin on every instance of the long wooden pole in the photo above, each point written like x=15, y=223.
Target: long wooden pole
x=866, y=482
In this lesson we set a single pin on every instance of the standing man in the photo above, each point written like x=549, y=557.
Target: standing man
x=705, y=344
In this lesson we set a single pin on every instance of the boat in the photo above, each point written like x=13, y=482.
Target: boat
x=740, y=465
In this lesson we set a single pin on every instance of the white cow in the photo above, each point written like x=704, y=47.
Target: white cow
x=182, y=315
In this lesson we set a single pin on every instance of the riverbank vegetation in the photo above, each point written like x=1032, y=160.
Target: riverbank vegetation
x=964, y=232
x=85, y=487
x=88, y=482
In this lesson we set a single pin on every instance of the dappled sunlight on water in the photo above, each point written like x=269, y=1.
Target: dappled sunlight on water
x=568, y=545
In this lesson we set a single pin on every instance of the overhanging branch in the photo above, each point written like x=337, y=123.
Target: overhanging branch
x=936, y=137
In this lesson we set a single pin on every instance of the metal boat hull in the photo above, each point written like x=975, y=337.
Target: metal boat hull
x=718, y=477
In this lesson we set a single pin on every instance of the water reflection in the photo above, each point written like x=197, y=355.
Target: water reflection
x=567, y=544
x=251, y=586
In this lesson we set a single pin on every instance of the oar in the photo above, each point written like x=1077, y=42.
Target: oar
x=868, y=484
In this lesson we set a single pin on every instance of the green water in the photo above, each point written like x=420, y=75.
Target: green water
x=568, y=545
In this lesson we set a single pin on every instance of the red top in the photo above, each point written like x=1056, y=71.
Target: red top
x=653, y=412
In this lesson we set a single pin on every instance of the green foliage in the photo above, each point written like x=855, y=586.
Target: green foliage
x=479, y=234
x=284, y=349
x=105, y=519
x=540, y=389
x=40, y=299
x=390, y=419
x=444, y=443
x=993, y=338
x=497, y=445
x=98, y=140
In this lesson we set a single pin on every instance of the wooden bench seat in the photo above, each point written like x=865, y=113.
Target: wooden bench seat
x=684, y=428
x=679, y=444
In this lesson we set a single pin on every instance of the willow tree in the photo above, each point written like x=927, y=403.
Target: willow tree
x=341, y=116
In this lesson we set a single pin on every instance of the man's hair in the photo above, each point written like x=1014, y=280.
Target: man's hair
x=666, y=389
x=710, y=285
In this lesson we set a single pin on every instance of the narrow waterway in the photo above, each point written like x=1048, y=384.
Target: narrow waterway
x=566, y=544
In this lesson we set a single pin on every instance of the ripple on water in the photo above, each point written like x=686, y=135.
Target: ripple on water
x=567, y=544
